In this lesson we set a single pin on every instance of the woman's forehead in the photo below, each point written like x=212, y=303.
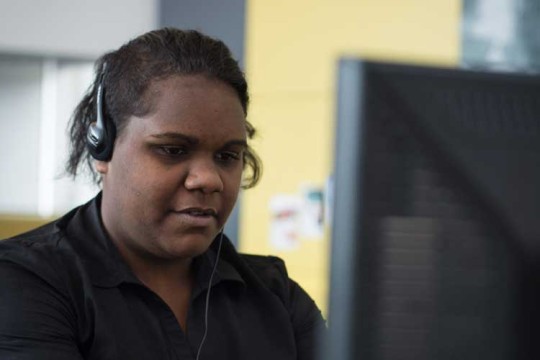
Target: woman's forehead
x=193, y=105
x=188, y=88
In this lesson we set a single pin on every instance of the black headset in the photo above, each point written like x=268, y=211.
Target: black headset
x=101, y=133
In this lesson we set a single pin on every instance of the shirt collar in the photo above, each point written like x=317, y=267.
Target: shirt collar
x=225, y=271
x=105, y=266
x=86, y=234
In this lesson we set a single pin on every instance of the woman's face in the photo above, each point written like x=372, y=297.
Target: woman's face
x=175, y=173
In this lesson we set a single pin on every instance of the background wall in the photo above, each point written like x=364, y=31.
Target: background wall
x=47, y=49
x=224, y=20
x=20, y=98
x=67, y=28
x=291, y=53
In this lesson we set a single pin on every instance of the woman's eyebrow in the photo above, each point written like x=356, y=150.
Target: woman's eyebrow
x=242, y=143
x=193, y=140
x=176, y=136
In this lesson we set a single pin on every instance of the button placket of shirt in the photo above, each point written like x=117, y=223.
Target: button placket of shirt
x=170, y=326
x=197, y=307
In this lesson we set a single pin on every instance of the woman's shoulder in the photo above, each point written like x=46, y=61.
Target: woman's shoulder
x=42, y=253
x=27, y=246
x=272, y=271
x=37, y=276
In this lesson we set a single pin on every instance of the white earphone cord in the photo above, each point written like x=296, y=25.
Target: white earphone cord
x=208, y=297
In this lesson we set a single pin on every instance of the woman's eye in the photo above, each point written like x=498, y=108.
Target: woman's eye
x=172, y=150
x=228, y=156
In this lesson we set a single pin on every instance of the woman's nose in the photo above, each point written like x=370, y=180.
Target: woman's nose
x=204, y=175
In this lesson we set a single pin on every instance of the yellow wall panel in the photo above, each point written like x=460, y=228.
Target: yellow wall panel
x=13, y=225
x=293, y=45
x=283, y=124
x=292, y=48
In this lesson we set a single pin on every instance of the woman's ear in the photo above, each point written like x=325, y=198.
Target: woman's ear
x=101, y=166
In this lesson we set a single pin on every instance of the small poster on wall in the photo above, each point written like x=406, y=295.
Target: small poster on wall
x=284, y=218
x=296, y=217
x=312, y=214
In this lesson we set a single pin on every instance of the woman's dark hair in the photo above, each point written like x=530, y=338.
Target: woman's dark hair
x=130, y=71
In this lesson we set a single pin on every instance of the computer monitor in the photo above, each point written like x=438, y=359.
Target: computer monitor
x=436, y=221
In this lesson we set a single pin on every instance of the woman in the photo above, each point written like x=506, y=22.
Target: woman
x=126, y=276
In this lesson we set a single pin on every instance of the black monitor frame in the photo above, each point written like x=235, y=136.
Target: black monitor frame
x=350, y=305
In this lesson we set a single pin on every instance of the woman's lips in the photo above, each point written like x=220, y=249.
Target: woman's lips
x=198, y=211
x=198, y=217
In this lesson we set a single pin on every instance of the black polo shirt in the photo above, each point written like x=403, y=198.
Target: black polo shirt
x=65, y=293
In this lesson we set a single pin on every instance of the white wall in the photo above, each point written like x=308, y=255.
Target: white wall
x=72, y=28
x=37, y=98
x=20, y=116
x=72, y=80
x=42, y=78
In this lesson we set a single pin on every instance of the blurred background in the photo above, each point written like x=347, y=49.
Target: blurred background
x=289, y=51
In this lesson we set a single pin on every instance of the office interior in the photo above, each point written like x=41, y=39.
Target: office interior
x=289, y=50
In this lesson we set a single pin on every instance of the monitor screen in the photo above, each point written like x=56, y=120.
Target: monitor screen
x=436, y=220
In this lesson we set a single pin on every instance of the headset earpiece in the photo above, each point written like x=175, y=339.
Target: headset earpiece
x=100, y=134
